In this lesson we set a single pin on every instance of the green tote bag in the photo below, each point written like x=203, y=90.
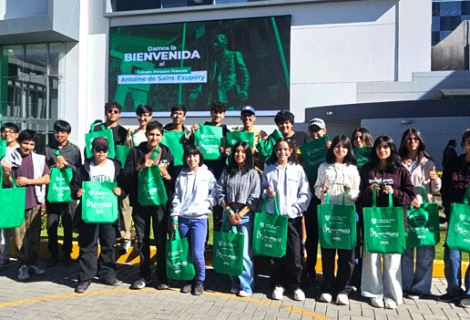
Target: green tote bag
x=337, y=225
x=12, y=205
x=174, y=141
x=384, y=228
x=266, y=147
x=313, y=154
x=209, y=139
x=458, y=233
x=3, y=148
x=179, y=264
x=235, y=136
x=228, y=251
x=151, y=190
x=59, y=187
x=99, y=203
x=362, y=156
x=105, y=133
x=423, y=224
x=270, y=233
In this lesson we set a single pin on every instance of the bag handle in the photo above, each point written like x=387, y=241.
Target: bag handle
x=155, y=153
x=466, y=196
x=423, y=192
x=222, y=228
x=265, y=203
x=374, y=197
x=175, y=235
x=100, y=122
x=327, y=200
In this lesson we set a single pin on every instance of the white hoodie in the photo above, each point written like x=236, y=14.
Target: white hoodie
x=195, y=194
x=335, y=175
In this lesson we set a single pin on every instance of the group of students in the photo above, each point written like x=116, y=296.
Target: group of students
x=234, y=190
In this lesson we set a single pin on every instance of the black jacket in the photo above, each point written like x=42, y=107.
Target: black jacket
x=455, y=181
x=130, y=175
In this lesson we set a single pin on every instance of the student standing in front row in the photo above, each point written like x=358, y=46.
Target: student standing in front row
x=69, y=157
x=195, y=195
x=99, y=168
x=145, y=155
x=338, y=176
x=30, y=171
x=286, y=180
x=384, y=167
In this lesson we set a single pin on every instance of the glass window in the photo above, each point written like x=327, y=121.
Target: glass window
x=436, y=9
x=449, y=23
x=126, y=5
x=452, y=8
x=436, y=23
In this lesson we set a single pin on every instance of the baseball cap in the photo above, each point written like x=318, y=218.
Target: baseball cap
x=249, y=108
x=317, y=122
x=100, y=141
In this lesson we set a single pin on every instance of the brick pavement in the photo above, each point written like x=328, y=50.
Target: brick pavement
x=51, y=297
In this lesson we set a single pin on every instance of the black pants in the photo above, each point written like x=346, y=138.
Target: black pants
x=287, y=271
x=56, y=211
x=88, y=261
x=311, y=244
x=339, y=283
x=141, y=216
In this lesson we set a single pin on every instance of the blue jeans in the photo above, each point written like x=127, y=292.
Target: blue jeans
x=245, y=280
x=195, y=230
x=453, y=273
x=419, y=280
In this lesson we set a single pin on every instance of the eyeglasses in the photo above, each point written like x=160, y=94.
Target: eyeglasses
x=412, y=139
x=145, y=115
x=113, y=111
x=358, y=138
x=8, y=132
x=101, y=149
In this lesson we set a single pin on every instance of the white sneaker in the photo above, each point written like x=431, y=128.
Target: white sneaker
x=342, y=299
x=390, y=304
x=278, y=293
x=23, y=273
x=243, y=293
x=376, y=302
x=36, y=270
x=326, y=297
x=299, y=295
x=465, y=303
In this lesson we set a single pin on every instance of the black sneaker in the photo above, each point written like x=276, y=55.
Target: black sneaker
x=186, y=288
x=82, y=286
x=162, y=286
x=447, y=298
x=112, y=282
x=198, y=288
x=139, y=284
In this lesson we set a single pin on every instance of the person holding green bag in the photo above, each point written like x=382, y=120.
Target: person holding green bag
x=195, y=195
x=61, y=154
x=137, y=136
x=238, y=192
x=286, y=180
x=339, y=177
x=145, y=156
x=386, y=174
x=417, y=283
x=99, y=168
x=455, y=181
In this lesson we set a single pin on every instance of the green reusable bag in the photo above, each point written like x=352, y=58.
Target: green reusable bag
x=121, y=154
x=362, y=156
x=384, y=228
x=234, y=137
x=179, y=264
x=270, y=233
x=174, y=141
x=12, y=205
x=266, y=147
x=423, y=224
x=228, y=251
x=59, y=187
x=151, y=190
x=99, y=203
x=458, y=233
x=209, y=139
x=3, y=148
x=105, y=133
x=337, y=225
x=314, y=154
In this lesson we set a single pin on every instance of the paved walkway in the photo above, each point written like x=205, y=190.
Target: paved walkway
x=52, y=297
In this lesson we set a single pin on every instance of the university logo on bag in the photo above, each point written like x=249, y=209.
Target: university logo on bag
x=327, y=217
x=374, y=220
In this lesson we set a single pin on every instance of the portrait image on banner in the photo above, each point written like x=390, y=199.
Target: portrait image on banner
x=238, y=61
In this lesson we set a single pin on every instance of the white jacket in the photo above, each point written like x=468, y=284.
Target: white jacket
x=195, y=194
x=335, y=175
x=420, y=176
x=291, y=187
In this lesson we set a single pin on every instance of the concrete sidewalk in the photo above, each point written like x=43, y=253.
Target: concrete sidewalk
x=52, y=297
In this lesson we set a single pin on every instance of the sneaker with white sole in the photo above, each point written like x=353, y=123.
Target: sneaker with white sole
x=390, y=304
x=23, y=273
x=234, y=290
x=36, y=270
x=299, y=295
x=278, y=293
x=243, y=293
x=342, y=299
x=376, y=302
x=465, y=303
x=326, y=297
